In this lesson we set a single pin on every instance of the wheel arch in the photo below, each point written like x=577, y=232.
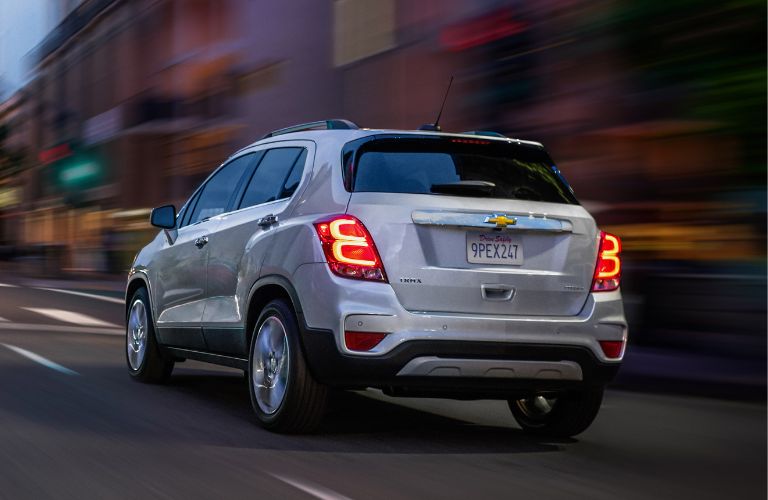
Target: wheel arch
x=138, y=280
x=264, y=291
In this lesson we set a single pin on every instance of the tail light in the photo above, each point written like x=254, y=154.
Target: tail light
x=608, y=268
x=349, y=248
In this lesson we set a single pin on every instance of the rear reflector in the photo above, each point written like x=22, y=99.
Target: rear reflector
x=362, y=341
x=612, y=349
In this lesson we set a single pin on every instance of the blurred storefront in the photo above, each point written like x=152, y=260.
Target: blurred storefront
x=127, y=110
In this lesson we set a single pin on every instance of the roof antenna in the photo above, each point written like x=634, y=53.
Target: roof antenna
x=435, y=127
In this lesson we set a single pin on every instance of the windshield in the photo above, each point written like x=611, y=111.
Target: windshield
x=459, y=167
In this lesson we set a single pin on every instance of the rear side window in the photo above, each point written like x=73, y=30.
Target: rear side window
x=453, y=167
x=276, y=177
x=292, y=182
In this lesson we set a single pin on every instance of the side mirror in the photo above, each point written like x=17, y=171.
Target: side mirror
x=163, y=217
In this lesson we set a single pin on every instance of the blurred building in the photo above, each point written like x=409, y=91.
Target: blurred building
x=14, y=148
x=133, y=103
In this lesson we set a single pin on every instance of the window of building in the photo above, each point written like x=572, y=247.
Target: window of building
x=362, y=28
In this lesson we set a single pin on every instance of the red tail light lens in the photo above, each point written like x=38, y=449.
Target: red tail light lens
x=608, y=269
x=349, y=248
x=362, y=341
x=613, y=349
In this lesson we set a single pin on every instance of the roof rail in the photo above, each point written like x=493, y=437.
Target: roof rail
x=335, y=124
x=486, y=133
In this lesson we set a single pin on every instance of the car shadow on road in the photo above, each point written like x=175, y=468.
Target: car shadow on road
x=359, y=424
x=212, y=408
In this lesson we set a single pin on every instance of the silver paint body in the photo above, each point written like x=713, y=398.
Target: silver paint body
x=433, y=292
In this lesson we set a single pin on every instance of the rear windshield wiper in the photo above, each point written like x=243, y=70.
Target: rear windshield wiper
x=465, y=188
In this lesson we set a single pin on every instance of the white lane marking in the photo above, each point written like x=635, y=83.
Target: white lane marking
x=315, y=490
x=8, y=285
x=114, y=300
x=61, y=328
x=2, y=319
x=69, y=316
x=43, y=361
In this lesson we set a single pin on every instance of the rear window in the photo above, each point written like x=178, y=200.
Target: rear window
x=454, y=167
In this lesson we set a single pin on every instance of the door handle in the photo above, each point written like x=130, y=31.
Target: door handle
x=201, y=241
x=267, y=221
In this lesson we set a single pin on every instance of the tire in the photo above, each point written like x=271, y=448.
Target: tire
x=146, y=362
x=564, y=414
x=284, y=395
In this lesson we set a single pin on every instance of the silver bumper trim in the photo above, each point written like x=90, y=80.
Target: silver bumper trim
x=432, y=366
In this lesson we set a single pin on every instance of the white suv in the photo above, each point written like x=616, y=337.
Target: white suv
x=420, y=263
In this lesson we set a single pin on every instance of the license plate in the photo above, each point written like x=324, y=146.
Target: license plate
x=494, y=248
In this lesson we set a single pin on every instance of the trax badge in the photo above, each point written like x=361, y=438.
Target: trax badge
x=501, y=220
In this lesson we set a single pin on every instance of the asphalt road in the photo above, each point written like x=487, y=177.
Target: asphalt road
x=73, y=425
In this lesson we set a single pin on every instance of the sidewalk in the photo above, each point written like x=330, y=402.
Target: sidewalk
x=111, y=283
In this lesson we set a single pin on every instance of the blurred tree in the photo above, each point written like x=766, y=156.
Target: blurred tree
x=702, y=59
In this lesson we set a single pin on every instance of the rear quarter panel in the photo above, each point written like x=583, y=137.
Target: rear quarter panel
x=293, y=241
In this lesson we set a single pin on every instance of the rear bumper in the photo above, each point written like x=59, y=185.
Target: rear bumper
x=456, y=355
x=337, y=304
x=491, y=369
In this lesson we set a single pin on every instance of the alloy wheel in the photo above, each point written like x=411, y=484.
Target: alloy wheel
x=270, y=365
x=136, y=335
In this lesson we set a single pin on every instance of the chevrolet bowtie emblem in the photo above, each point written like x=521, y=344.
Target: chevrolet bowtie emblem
x=501, y=220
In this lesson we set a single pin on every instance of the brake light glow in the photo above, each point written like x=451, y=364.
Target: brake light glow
x=470, y=141
x=608, y=268
x=362, y=341
x=349, y=248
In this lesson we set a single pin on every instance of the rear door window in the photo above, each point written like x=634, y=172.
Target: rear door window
x=275, y=177
x=459, y=167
